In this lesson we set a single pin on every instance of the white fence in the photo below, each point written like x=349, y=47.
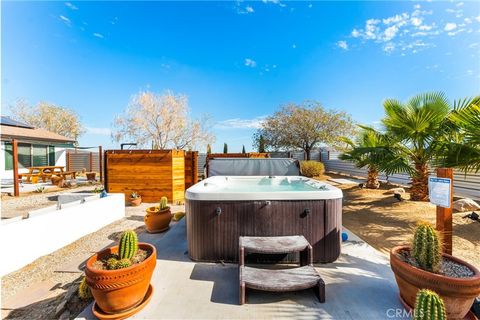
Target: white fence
x=467, y=185
x=49, y=229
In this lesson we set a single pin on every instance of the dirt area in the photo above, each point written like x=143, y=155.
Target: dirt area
x=384, y=222
x=28, y=201
x=35, y=291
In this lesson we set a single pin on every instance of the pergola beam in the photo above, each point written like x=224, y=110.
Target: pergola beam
x=16, y=188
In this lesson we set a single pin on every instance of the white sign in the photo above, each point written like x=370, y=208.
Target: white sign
x=439, y=191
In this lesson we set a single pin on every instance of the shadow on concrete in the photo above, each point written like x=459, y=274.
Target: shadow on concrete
x=135, y=218
x=224, y=278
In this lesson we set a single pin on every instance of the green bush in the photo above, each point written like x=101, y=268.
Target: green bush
x=311, y=168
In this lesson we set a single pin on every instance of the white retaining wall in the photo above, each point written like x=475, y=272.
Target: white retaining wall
x=49, y=229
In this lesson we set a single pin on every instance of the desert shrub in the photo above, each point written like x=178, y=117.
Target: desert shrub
x=311, y=168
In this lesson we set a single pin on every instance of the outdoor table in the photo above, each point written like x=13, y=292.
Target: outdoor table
x=43, y=172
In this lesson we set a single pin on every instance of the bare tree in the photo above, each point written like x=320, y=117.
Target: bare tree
x=304, y=127
x=50, y=117
x=161, y=121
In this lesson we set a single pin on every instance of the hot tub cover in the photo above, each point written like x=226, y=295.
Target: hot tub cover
x=253, y=167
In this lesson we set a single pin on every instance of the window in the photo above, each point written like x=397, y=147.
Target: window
x=51, y=155
x=29, y=155
x=24, y=155
x=8, y=156
x=40, y=155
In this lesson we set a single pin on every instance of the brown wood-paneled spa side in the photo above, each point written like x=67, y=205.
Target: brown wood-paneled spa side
x=213, y=227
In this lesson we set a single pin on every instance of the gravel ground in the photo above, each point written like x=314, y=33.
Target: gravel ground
x=19, y=206
x=59, y=267
x=448, y=268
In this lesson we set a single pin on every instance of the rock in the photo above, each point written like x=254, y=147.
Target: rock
x=65, y=315
x=395, y=190
x=465, y=204
x=60, y=308
x=71, y=291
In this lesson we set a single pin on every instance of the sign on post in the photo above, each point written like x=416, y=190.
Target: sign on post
x=439, y=191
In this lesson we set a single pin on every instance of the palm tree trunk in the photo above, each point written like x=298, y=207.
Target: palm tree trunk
x=419, y=190
x=372, y=179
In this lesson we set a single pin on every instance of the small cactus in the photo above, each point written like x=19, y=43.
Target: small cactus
x=112, y=263
x=178, y=216
x=134, y=195
x=84, y=291
x=427, y=247
x=124, y=263
x=429, y=306
x=163, y=203
x=128, y=245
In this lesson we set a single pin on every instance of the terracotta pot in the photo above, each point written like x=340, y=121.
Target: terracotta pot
x=157, y=221
x=57, y=181
x=90, y=176
x=458, y=294
x=116, y=291
x=136, y=202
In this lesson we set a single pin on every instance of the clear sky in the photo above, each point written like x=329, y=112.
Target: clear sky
x=237, y=61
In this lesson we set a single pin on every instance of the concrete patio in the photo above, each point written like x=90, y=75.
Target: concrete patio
x=359, y=285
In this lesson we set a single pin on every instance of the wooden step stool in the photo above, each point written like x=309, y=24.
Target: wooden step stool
x=279, y=280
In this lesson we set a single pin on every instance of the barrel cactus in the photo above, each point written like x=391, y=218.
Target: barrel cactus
x=429, y=306
x=128, y=245
x=84, y=290
x=112, y=263
x=123, y=263
x=427, y=247
x=163, y=203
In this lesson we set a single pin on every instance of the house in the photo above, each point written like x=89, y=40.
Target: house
x=36, y=147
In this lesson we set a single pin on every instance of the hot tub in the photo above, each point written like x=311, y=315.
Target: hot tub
x=220, y=209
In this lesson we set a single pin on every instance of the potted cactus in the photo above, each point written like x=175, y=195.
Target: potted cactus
x=119, y=276
x=423, y=266
x=135, y=199
x=158, y=217
x=429, y=306
x=91, y=176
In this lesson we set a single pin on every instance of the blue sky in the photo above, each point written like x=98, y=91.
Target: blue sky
x=237, y=61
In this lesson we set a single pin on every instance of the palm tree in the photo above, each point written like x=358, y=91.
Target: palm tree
x=463, y=150
x=373, y=150
x=361, y=158
x=428, y=131
x=425, y=131
x=419, y=128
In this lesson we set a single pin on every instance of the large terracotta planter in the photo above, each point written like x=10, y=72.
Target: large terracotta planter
x=157, y=221
x=135, y=202
x=91, y=176
x=116, y=291
x=458, y=294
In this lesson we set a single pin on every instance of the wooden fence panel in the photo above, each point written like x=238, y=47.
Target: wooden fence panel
x=151, y=173
x=191, y=168
x=80, y=160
